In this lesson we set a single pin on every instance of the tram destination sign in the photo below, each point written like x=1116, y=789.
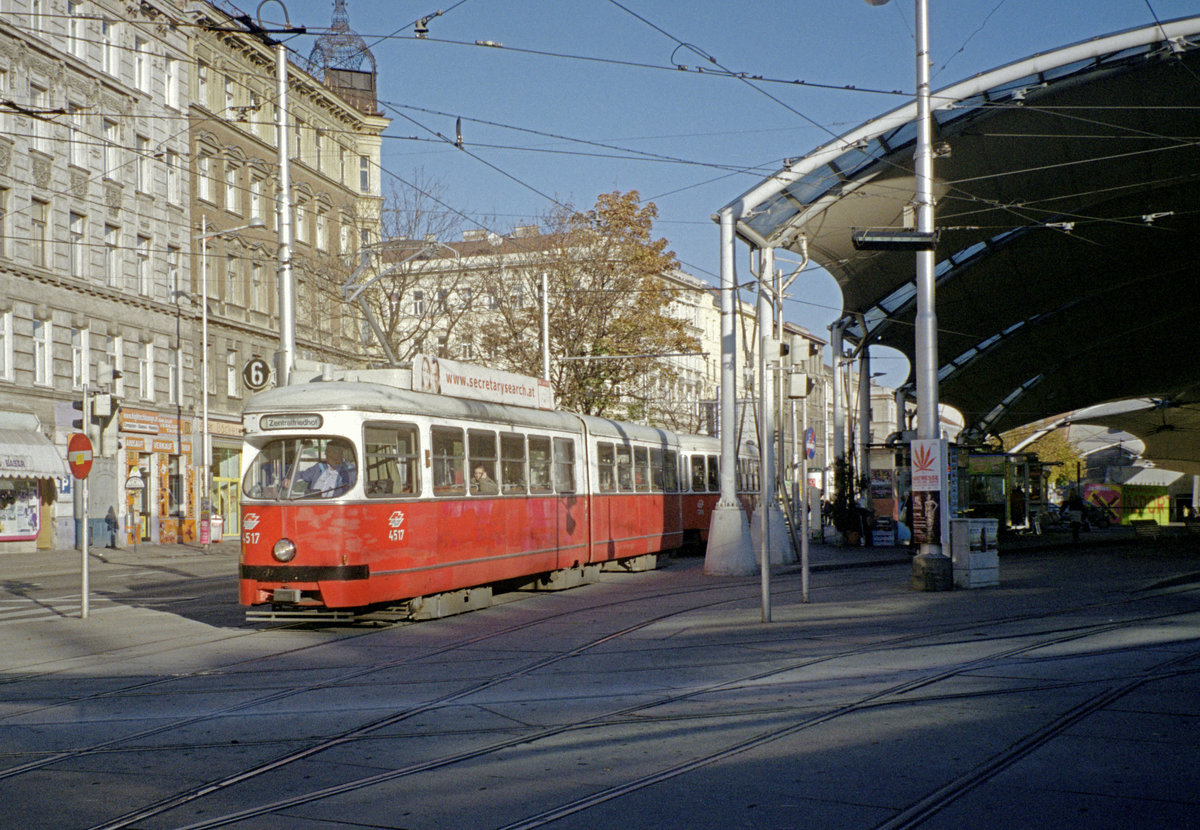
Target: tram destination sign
x=297, y=421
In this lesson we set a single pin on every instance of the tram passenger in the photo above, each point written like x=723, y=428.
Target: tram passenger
x=483, y=484
x=332, y=477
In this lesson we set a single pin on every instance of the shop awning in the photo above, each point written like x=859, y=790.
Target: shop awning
x=27, y=454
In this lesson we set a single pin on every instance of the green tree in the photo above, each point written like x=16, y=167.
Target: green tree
x=607, y=300
x=1051, y=448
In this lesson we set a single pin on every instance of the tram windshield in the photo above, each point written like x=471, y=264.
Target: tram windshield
x=301, y=468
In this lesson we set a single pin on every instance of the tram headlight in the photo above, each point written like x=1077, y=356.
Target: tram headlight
x=284, y=550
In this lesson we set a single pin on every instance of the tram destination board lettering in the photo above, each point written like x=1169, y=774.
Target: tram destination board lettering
x=290, y=422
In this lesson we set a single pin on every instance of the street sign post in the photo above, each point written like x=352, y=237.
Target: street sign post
x=79, y=457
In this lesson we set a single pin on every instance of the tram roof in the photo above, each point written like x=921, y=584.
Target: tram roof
x=378, y=397
x=1066, y=268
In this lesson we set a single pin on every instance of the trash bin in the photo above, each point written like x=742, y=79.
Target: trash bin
x=216, y=527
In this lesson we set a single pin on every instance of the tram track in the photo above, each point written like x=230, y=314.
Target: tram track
x=891, y=694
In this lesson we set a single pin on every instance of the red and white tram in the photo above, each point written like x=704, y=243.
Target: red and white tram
x=361, y=495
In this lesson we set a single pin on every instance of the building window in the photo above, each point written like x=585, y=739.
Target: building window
x=81, y=358
x=171, y=83
x=146, y=371
x=39, y=96
x=77, y=247
x=204, y=182
x=230, y=95
x=418, y=303
x=76, y=32
x=173, y=285
x=112, y=148
x=142, y=145
x=260, y=300
x=39, y=240
x=141, y=64
x=256, y=198
x=114, y=347
x=112, y=256
x=144, y=277
x=6, y=346
x=300, y=221
x=234, y=285
x=36, y=23
x=77, y=135
x=322, y=230
x=231, y=374
x=202, y=88
x=174, y=193
x=108, y=43
x=364, y=174
x=43, y=352
x=231, y=187
x=4, y=243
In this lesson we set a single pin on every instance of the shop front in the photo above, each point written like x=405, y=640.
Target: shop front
x=159, y=478
x=225, y=478
x=29, y=467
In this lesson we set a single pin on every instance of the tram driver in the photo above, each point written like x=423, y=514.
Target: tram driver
x=332, y=477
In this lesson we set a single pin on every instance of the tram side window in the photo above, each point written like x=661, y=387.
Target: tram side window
x=671, y=471
x=606, y=463
x=699, y=480
x=714, y=474
x=539, y=465
x=657, y=474
x=449, y=457
x=391, y=460
x=625, y=468
x=512, y=463
x=641, y=468
x=482, y=448
x=564, y=465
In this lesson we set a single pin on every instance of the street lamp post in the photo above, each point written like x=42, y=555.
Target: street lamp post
x=205, y=442
x=931, y=567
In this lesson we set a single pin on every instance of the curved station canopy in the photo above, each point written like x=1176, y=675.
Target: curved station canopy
x=1067, y=193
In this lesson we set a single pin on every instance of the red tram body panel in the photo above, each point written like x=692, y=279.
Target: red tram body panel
x=361, y=494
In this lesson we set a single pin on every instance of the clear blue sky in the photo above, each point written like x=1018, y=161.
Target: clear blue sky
x=576, y=74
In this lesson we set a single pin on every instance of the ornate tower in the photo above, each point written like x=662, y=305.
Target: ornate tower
x=345, y=63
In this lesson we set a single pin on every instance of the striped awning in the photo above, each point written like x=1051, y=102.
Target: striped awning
x=27, y=454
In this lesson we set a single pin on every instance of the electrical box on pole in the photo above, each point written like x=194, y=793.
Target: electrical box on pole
x=799, y=385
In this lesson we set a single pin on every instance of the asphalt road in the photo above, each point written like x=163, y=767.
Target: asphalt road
x=1067, y=697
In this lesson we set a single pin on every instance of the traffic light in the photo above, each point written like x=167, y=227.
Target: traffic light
x=80, y=422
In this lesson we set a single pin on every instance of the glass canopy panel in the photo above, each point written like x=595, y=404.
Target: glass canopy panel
x=899, y=297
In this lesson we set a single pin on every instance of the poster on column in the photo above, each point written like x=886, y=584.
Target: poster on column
x=928, y=469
